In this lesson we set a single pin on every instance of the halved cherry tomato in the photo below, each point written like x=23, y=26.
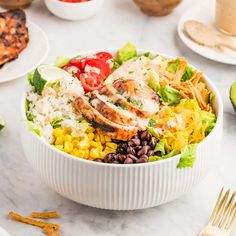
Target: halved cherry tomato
x=80, y=64
x=90, y=81
x=104, y=56
x=103, y=67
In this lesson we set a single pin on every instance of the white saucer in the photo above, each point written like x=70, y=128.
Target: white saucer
x=31, y=57
x=205, y=13
x=3, y=232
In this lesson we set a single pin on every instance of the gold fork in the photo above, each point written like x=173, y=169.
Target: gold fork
x=223, y=217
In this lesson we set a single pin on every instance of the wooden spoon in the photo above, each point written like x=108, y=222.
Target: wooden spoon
x=206, y=36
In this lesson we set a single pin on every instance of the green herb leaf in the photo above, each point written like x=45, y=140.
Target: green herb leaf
x=173, y=66
x=55, y=123
x=188, y=156
x=169, y=95
x=151, y=123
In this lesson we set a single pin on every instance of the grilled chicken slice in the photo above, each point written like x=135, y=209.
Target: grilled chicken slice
x=14, y=35
x=114, y=130
x=133, y=96
x=106, y=106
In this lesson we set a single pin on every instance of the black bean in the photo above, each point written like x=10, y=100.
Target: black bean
x=131, y=143
x=144, y=157
x=136, y=141
x=109, y=158
x=115, y=162
x=153, y=142
x=143, y=151
x=124, y=145
x=138, y=148
x=98, y=160
x=128, y=161
x=144, y=143
x=134, y=158
x=121, y=150
x=145, y=135
x=150, y=153
x=130, y=150
x=135, y=136
x=141, y=160
x=121, y=157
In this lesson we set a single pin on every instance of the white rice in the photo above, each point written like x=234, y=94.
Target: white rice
x=55, y=103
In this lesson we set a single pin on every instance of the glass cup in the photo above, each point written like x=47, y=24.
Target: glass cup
x=226, y=16
x=12, y=4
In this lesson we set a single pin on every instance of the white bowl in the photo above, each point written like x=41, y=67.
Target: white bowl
x=3, y=232
x=74, y=11
x=121, y=187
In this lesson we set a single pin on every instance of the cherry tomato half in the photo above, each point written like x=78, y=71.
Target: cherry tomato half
x=90, y=81
x=104, y=56
x=80, y=64
x=103, y=67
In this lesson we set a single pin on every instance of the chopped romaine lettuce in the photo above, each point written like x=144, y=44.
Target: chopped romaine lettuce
x=127, y=52
x=62, y=61
x=190, y=104
x=160, y=147
x=29, y=116
x=209, y=119
x=188, y=156
x=188, y=72
x=154, y=158
x=211, y=98
x=170, y=154
x=173, y=66
x=153, y=131
x=154, y=80
x=169, y=95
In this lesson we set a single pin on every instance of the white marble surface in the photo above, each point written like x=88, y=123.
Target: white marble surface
x=21, y=190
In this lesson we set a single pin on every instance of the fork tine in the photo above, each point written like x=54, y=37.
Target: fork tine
x=227, y=211
x=220, y=209
x=232, y=217
x=216, y=206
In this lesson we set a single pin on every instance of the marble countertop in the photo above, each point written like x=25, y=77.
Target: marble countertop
x=21, y=190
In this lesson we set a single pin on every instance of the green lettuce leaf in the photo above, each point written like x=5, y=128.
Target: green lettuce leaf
x=62, y=61
x=33, y=128
x=154, y=158
x=209, y=119
x=170, y=154
x=153, y=80
x=169, y=95
x=31, y=78
x=153, y=131
x=151, y=123
x=160, y=147
x=127, y=52
x=55, y=123
x=189, y=104
x=188, y=72
x=173, y=66
x=211, y=98
x=188, y=156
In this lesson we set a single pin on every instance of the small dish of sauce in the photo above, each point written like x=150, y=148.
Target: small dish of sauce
x=226, y=16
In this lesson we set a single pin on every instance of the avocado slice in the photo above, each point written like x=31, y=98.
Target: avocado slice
x=233, y=95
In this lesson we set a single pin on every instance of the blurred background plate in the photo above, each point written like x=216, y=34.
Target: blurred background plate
x=3, y=232
x=32, y=56
x=205, y=13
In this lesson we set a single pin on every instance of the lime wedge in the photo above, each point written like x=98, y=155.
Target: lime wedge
x=233, y=95
x=46, y=73
x=2, y=123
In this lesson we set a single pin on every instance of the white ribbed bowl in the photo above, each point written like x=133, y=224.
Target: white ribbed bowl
x=120, y=187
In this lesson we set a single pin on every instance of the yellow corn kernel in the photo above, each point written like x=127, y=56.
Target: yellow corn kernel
x=67, y=130
x=103, y=154
x=100, y=148
x=111, y=145
x=78, y=153
x=109, y=150
x=94, y=153
x=97, y=138
x=86, y=154
x=102, y=139
x=75, y=142
x=95, y=144
x=58, y=132
x=90, y=129
x=107, y=139
x=83, y=144
x=68, y=138
x=59, y=140
x=68, y=147
x=91, y=136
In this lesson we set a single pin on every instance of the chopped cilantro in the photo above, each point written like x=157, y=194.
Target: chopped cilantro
x=151, y=123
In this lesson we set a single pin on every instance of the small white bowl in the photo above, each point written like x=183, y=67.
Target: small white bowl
x=74, y=11
x=121, y=187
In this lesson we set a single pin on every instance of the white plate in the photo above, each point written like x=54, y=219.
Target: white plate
x=3, y=232
x=205, y=12
x=32, y=56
